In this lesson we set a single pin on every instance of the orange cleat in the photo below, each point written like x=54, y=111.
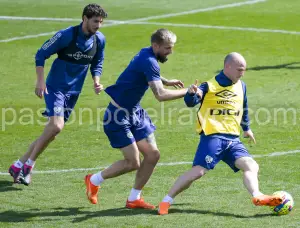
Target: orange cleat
x=163, y=208
x=266, y=200
x=91, y=190
x=140, y=203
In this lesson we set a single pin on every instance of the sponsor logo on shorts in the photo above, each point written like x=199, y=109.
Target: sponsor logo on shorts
x=57, y=109
x=129, y=135
x=208, y=159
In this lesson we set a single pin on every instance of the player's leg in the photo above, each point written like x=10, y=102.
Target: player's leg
x=238, y=158
x=130, y=163
x=208, y=154
x=151, y=156
x=117, y=129
x=148, y=148
x=54, y=126
x=55, y=111
x=250, y=178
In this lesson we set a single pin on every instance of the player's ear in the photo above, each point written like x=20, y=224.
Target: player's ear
x=155, y=46
x=84, y=18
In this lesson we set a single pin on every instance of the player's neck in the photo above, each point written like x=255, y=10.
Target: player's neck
x=85, y=31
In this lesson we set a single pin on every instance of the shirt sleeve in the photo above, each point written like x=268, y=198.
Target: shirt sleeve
x=59, y=41
x=245, y=124
x=151, y=70
x=97, y=62
x=192, y=100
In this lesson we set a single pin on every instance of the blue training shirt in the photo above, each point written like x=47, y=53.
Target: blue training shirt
x=132, y=84
x=66, y=76
x=192, y=100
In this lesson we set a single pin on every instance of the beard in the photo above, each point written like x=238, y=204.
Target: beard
x=162, y=59
x=91, y=32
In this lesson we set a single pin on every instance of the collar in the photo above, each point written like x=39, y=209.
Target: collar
x=223, y=80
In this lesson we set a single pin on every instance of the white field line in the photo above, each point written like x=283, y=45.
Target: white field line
x=261, y=30
x=220, y=27
x=45, y=19
x=274, y=154
x=236, y=4
x=114, y=23
x=46, y=34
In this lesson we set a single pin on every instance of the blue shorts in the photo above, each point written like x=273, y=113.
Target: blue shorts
x=59, y=103
x=123, y=128
x=211, y=150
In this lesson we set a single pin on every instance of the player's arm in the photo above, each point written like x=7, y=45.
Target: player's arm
x=195, y=94
x=60, y=40
x=245, y=123
x=162, y=94
x=97, y=64
x=172, y=82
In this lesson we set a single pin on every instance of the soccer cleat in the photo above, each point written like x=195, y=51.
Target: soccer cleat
x=267, y=200
x=25, y=176
x=163, y=208
x=91, y=190
x=139, y=203
x=15, y=173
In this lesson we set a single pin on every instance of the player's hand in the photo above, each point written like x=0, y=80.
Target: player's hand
x=174, y=82
x=249, y=134
x=194, y=89
x=40, y=88
x=98, y=88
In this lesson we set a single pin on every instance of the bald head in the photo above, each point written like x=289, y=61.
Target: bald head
x=234, y=66
x=234, y=57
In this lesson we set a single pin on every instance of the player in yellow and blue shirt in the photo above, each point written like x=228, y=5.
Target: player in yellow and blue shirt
x=223, y=109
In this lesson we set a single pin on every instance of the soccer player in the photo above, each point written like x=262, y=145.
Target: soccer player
x=128, y=126
x=76, y=47
x=222, y=111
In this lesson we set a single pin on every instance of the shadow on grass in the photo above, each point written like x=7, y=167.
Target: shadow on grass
x=290, y=66
x=83, y=215
x=7, y=186
x=222, y=214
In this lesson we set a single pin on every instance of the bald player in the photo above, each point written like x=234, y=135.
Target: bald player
x=223, y=109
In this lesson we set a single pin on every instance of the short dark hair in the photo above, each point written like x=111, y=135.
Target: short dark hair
x=92, y=10
x=161, y=36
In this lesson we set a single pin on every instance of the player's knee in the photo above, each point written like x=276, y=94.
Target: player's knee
x=253, y=166
x=153, y=157
x=56, y=128
x=132, y=165
x=197, y=172
x=249, y=164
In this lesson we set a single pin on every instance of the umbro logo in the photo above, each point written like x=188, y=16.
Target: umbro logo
x=226, y=94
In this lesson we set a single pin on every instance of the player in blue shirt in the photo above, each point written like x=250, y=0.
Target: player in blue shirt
x=77, y=48
x=128, y=126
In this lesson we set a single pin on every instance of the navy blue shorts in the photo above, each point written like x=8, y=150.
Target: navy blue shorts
x=123, y=128
x=211, y=150
x=59, y=103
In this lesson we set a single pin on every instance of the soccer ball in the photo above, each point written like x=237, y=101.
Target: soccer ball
x=286, y=206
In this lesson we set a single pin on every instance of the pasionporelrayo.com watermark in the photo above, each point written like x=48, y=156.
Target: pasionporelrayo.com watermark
x=165, y=116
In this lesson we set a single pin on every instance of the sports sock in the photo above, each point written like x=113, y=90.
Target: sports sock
x=168, y=199
x=258, y=193
x=30, y=162
x=18, y=164
x=97, y=179
x=135, y=194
